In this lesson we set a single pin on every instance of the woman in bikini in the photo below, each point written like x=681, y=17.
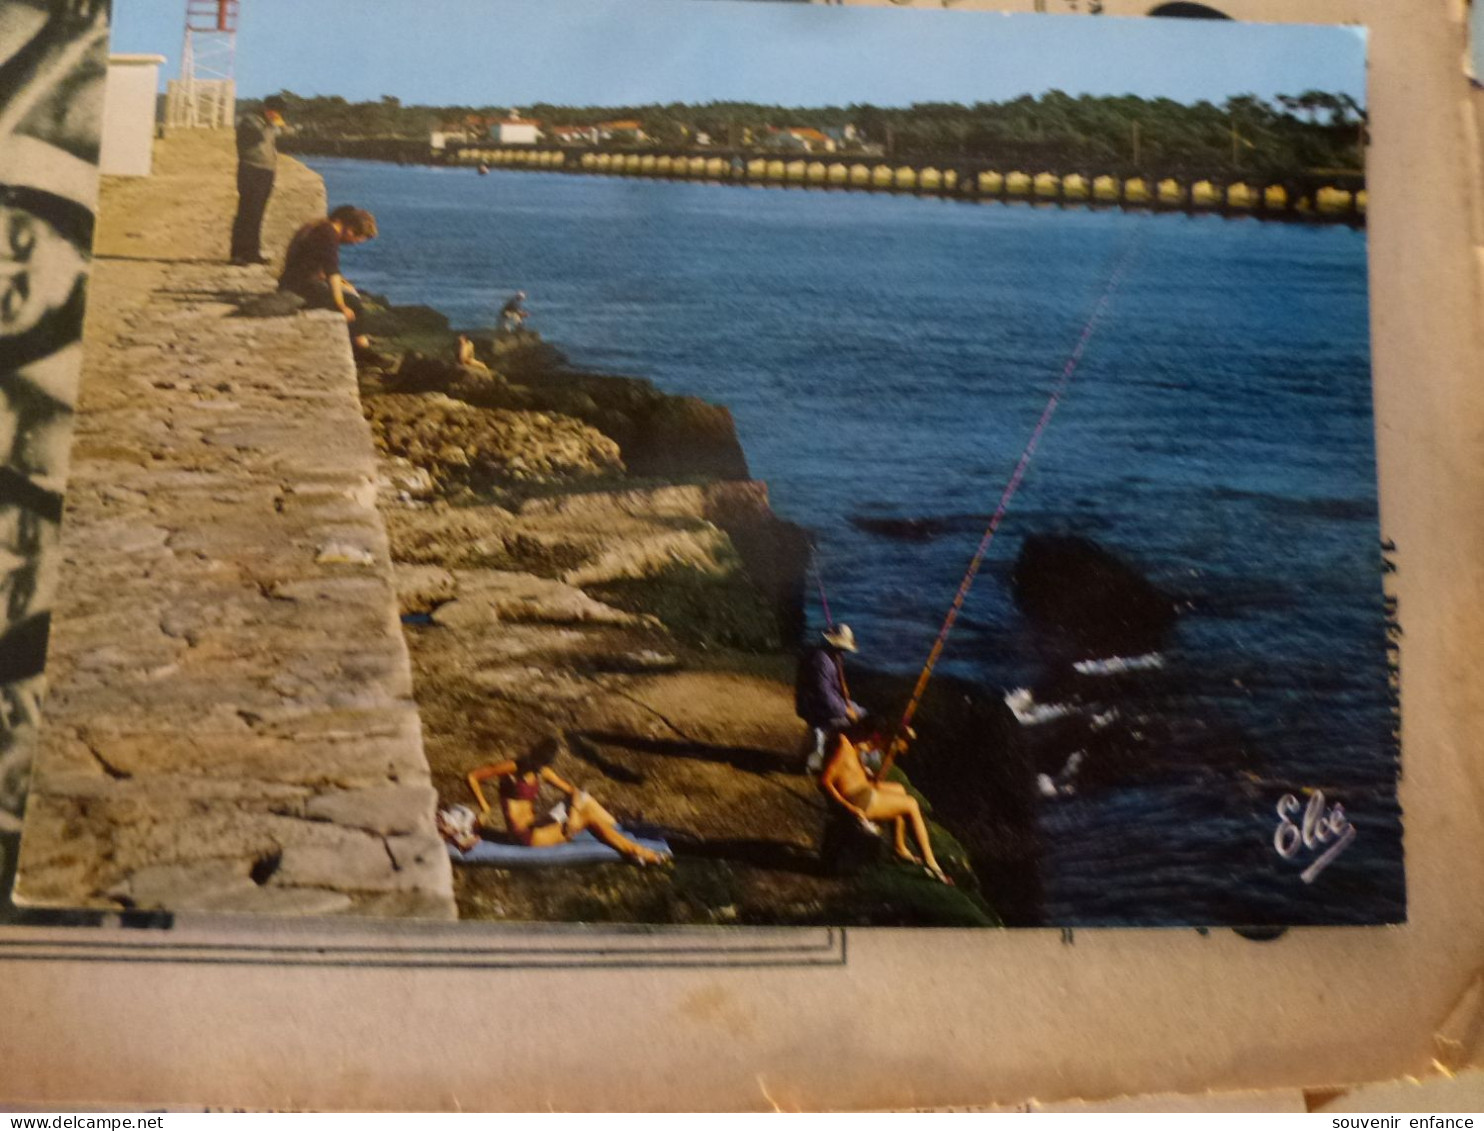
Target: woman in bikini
x=849, y=785
x=520, y=782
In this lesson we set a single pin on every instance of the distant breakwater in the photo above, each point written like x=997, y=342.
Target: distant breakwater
x=1341, y=198
x=1325, y=196
x=1307, y=197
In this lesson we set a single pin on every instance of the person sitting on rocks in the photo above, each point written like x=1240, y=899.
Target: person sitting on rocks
x=311, y=266
x=467, y=357
x=513, y=314
x=520, y=781
x=869, y=800
x=821, y=698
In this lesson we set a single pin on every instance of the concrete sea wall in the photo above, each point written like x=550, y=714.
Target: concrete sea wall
x=229, y=725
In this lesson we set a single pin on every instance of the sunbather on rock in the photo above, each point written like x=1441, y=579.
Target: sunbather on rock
x=529, y=823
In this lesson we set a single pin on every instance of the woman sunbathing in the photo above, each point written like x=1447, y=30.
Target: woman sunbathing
x=848, y=783
x=520, y=782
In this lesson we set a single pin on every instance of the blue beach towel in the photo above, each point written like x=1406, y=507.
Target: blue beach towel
x=584, y=848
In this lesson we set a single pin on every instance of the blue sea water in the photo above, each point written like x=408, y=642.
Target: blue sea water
x=888, y=356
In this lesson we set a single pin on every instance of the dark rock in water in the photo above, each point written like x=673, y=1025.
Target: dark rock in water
x=902, y=529
x=1074, y=585
x=683, y=437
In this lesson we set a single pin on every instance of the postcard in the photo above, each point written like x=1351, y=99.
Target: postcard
x=273, y=536
x=920, y=476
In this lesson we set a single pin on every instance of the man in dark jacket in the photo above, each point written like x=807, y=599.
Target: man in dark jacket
x=257, y=162
x=821, y=697
x=311, y=266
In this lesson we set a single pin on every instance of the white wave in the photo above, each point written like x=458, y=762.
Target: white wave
x=1114, y=665
x=1063, y=785
x=1049, y=788
x=1028, y=712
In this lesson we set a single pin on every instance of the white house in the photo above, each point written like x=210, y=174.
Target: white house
x=515, y=130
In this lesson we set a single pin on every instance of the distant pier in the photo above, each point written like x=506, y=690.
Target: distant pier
x=1336, y=197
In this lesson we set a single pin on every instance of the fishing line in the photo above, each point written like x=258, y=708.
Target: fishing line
x=1016, y=477
x=824, y=602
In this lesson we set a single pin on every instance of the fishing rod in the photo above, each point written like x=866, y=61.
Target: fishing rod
x=829, y=621
x=1022, y=465
x=824, y=602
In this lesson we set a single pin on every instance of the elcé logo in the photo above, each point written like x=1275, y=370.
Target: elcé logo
x=1309, y=828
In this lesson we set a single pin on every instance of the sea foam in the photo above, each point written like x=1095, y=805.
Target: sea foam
x=1028, y=712
x=1114, y=665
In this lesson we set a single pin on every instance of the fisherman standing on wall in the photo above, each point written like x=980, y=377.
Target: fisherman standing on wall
x=257, y=164
x=821, y=696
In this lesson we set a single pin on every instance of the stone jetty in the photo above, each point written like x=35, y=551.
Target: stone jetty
x=230, y=724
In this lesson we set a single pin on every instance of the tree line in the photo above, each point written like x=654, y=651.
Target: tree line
x=1289, y=134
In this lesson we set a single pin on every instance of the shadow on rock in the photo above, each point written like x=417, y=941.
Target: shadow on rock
x=750, y=759
x=768, y=855
x=614, y=771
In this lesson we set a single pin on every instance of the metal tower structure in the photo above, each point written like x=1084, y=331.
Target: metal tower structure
x=204, y=97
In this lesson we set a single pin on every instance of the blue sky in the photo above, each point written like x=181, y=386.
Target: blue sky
x=614, y=52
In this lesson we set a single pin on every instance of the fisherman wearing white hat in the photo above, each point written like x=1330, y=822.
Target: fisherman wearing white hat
x=821, y=697
x=513, y=314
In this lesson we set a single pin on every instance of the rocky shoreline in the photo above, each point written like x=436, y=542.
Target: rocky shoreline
x=583, y=554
